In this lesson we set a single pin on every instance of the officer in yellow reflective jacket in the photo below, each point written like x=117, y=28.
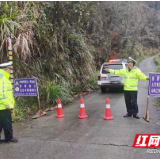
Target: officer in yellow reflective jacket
x=6, y=103
x=131, y=75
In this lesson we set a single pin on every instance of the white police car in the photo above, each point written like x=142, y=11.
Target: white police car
x=109, y=80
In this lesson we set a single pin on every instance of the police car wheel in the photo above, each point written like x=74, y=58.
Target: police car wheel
x=103, y=89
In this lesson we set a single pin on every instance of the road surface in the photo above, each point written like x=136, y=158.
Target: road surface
x=94, y=137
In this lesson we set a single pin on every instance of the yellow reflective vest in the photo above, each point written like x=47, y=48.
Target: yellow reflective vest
x=130, y=78
x=6, y=93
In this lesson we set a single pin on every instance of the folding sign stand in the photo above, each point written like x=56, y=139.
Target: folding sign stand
x=147, y=111
x=40, y=112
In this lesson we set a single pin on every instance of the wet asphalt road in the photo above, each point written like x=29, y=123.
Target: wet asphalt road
x=94, y=137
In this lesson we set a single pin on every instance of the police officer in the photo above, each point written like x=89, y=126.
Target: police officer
x=131, y=75
x=6, y=103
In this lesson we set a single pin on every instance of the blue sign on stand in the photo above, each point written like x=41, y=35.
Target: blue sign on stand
x=154, y=85
x=25, y=87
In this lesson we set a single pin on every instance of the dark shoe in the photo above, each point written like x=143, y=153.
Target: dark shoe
x=13, y=140
x=136, y=116
x=127, y=115
x=2, y=141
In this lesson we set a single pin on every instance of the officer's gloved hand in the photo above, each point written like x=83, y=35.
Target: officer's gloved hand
x=148, y=78
x=7, y=107
x=106, y=69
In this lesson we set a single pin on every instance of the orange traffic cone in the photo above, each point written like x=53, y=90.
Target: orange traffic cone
x=108, y=115
x=59, y=110
x=82, y=110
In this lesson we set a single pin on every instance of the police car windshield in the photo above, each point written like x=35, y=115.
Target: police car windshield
x=111, y=66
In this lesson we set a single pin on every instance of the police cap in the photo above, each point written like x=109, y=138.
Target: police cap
x=6, y=65
x=130, y=59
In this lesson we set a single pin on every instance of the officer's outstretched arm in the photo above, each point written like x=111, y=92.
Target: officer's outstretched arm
x=117, y=72
x=141, y=75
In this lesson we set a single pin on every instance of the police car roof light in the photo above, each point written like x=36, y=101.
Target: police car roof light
x=117, y=60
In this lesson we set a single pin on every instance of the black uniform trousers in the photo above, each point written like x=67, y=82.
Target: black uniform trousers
x=6, y=124
x=131, y=102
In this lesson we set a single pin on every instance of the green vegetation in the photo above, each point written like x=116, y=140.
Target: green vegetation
x=147, y=52
x=157, y=62
x=63, y=44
